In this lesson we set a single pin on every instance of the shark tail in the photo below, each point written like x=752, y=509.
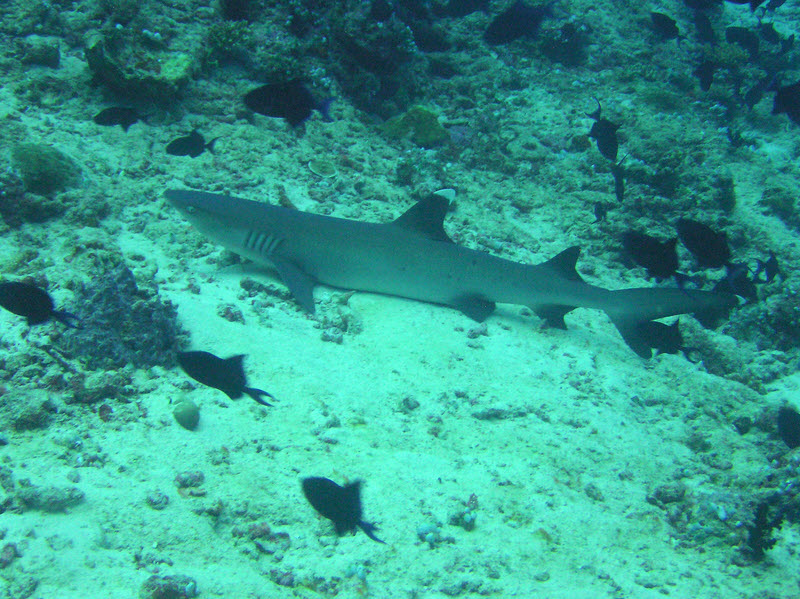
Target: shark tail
x=631, y=311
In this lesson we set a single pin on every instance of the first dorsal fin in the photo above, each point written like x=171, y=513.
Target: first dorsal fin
x=564, y=263
x=426, y=217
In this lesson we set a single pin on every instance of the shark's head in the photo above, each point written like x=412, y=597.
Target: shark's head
x=193, y=204
x=211, y=212
x=221, y=218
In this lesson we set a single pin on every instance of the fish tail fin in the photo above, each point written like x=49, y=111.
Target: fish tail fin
x=257, y=394
x=66, y=319
x=325, y=108
x=210, y=145
x=369, y=529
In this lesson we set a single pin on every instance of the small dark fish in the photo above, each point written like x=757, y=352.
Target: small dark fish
x=619, y=179
x=226, y=375
x=665, y=26
x=600, y=212
x=705, y=73
x=665, y=339
x=744, y=37
x=192, y=145
x=753, y=95
x=291, y=101
x=116, y=115
x=789, y=427
x=520, y=20
x=769, y=33
x=604, y=132
x=709, y=248
x=736, y=281
x=659, y=258
x=787, y=100
x=770, y=268
x=341, y=505
x=787, y=44
x=704, y=28
x=33, y=303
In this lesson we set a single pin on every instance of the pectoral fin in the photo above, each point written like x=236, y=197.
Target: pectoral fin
x=476, y=308
x=300, y=284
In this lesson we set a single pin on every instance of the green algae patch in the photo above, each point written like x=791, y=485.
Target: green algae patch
x=177, y=70
x=43, y=169
x=419, y=124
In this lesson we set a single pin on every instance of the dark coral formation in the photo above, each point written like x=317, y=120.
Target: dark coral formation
x=774, y=323
x=122, y=325
x=44, y=170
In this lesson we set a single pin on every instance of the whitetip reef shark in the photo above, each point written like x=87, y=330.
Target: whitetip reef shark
x=413, y=257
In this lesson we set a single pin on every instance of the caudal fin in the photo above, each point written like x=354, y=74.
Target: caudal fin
x=631, y=311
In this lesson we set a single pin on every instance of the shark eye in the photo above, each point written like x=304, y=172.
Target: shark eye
x=191, y=209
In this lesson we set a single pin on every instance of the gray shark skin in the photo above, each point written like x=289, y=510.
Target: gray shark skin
x=412, y=257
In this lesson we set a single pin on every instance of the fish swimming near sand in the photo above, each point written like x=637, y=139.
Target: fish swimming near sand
x=665, y=26
x=340, y=505
x=413, y=257
x=227, y=374
x=117, y=115
x=290, y=100
x=191, y=145
x=34, y=303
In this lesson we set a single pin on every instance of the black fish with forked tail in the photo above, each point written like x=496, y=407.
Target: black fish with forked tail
x=191, y=145
x=340, y=505
x=290, y=100
x=227, y=375
x=604, y=132
x=32, y=302
x=117, y=115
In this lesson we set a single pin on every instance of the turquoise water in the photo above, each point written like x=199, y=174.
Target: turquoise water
x=498, y=459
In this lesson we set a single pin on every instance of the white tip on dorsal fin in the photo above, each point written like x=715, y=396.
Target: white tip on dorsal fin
x=447, y=193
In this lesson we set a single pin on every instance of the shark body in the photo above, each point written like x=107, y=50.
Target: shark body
x=413, y=257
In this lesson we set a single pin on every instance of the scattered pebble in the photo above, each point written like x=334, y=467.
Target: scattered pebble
x=48, y=499
x=187, y=414
x=169, y=587
x=190, y=478
x=158, y=500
